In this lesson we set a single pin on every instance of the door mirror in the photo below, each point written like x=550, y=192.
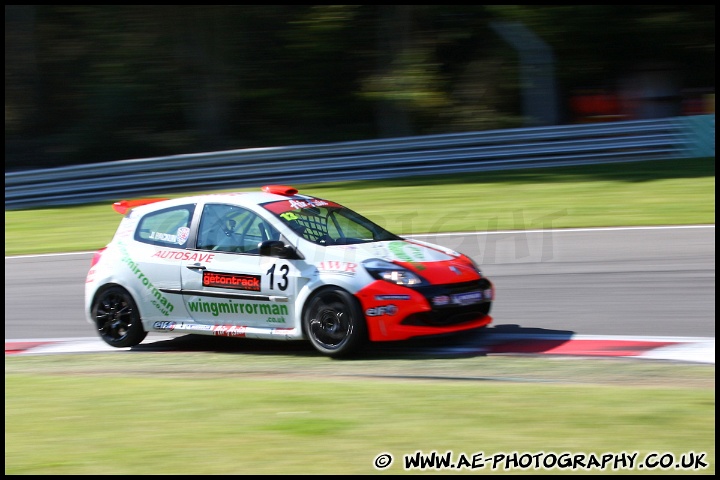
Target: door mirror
x=276, y=248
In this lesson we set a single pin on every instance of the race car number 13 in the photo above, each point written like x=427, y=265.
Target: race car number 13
x=283, y=271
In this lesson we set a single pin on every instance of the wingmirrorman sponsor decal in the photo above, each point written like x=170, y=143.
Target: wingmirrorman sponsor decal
x=236, y=308
x=232, y=280
x=159, y=300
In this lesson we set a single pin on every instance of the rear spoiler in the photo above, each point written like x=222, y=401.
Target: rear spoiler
x=124, y=205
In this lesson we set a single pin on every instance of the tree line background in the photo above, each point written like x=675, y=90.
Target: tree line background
x=87, y=84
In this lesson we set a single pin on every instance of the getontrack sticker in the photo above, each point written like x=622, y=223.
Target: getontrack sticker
x=232, y=280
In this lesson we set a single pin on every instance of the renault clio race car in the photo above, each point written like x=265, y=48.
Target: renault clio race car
x=278, y=265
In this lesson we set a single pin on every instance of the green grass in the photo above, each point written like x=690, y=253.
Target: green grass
x=211, y=413
x=260, y=413
x=670, y=192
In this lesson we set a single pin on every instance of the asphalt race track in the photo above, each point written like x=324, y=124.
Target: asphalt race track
x=645, y=291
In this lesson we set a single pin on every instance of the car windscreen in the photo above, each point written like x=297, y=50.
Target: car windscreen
x=327, y=223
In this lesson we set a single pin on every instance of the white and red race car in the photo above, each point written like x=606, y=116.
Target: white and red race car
x=278, y=265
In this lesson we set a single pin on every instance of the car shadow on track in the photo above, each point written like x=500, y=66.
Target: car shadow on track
x=506, y=339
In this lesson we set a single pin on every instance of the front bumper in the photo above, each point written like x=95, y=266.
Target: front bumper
x=395, y=312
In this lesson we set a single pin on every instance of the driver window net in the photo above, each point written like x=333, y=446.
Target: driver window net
x=314, y=226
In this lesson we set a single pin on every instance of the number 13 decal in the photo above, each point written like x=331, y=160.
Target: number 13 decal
x=283, y=271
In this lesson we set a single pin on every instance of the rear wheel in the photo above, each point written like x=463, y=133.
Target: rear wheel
x=117, y=318
x=334, y=322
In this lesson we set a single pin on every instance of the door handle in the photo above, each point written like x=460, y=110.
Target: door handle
x=196, y=266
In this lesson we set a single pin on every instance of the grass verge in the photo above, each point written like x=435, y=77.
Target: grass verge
x=210, y=413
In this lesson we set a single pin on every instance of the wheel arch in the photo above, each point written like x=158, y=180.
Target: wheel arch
x=106, y=286
x=319, y=290
x=117, y=316
x=333, y=335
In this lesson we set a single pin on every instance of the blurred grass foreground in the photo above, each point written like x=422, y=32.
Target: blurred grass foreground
x=200, y=413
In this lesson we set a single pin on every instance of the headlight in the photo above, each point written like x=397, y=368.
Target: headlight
x=392, y=273
x=474, y=264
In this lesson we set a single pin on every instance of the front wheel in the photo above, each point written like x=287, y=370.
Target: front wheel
x=334, y=322
x=117, y=318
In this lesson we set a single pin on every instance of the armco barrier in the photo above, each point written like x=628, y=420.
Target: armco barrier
x=669, y=138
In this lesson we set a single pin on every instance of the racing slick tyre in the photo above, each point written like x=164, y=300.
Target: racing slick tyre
x=117, y=318
x=334, y=323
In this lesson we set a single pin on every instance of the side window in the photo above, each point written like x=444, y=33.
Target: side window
x=229, y=228
x=168, y=228
x=342, y=228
